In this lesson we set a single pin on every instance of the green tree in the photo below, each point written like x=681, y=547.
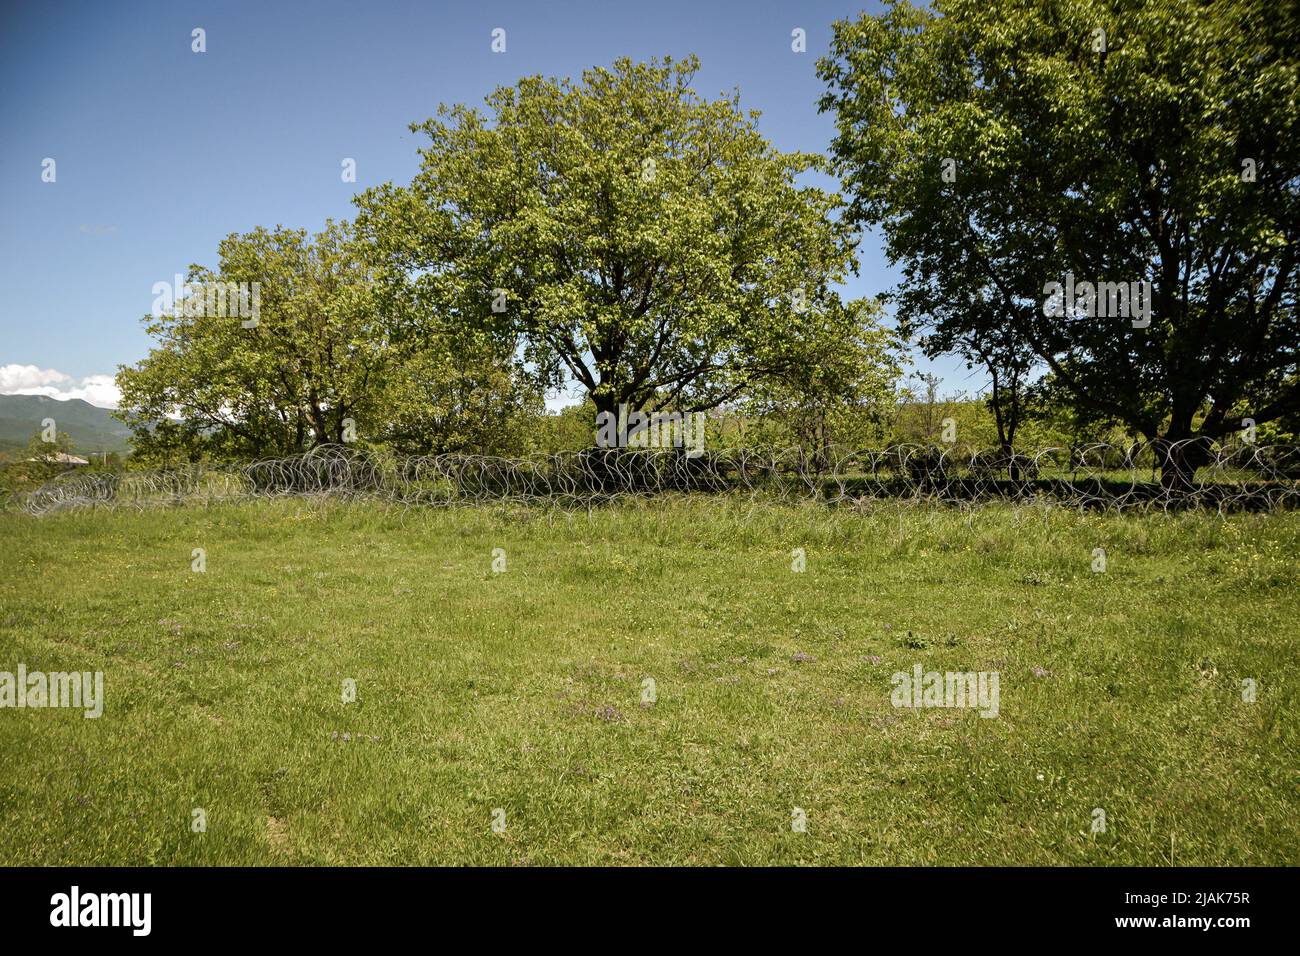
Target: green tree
x=42, y=450
x=999, y=145
x=619, y=231
x=465, y=396
x=1009, y=362
x=842, y=394
x=569, y=429
x=223, y=382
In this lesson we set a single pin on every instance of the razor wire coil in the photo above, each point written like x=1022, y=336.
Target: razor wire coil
x=1095, y=476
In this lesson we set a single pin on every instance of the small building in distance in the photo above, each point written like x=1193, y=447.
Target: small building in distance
x=61, y=458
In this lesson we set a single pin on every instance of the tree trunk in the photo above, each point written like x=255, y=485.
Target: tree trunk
x=604, y=402
x=1179, y=457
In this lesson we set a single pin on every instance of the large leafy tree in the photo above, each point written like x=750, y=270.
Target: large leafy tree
x=295, y=375
x=328, y=360
x=1118, y=141
x=619, y=231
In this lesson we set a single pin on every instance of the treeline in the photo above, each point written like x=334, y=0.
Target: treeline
x=625, y=234
x=620, y=232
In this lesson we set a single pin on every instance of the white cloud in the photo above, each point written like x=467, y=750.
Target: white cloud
x=15, y=377
x=32, y=380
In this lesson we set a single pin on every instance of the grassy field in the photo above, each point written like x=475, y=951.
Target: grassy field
x=522, y=691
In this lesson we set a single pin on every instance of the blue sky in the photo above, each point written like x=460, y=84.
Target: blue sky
x=160, y=151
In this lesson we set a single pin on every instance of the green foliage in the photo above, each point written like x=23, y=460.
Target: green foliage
x=466, y=397
x=571, y=429
x=329, y=360
x=28, y=469
x=840, y=392
x=311, y=362
x=22, y=476
x=38, y=447
x=632, y=236
x=1119, y=162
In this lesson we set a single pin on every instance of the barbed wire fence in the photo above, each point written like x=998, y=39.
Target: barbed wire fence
x=1097, y=476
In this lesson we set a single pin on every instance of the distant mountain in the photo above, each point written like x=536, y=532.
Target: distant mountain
x=91, y=429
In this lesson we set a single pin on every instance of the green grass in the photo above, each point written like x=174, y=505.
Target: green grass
x=521, y=690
